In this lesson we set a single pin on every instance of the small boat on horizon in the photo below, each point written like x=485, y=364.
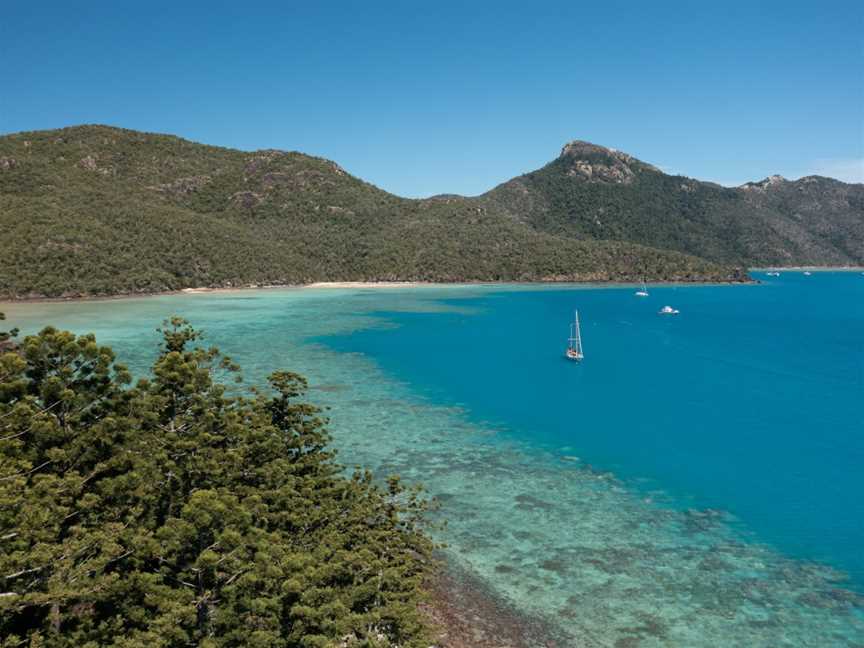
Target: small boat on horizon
x=644, y=291
x=574, y=342
x=773, y=274
x=668, y=310
x=807, y=273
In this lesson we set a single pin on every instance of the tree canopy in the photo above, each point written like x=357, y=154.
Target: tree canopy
x=170, y=512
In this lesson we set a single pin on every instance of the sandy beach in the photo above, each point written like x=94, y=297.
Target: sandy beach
x=347, y=285
x=367, y=284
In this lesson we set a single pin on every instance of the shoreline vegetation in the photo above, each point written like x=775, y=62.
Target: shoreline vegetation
x=168, y=512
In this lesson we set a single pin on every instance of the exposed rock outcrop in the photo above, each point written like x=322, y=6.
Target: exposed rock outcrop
x=600, y=164
x=184, y=186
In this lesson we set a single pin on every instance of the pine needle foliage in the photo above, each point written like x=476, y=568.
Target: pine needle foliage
x=170, y=512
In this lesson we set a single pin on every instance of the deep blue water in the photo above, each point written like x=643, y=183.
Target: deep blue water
x=750, y=401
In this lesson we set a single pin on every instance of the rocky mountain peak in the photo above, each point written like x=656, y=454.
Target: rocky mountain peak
x=581, y=148
x=596, y=163
x=768, y=183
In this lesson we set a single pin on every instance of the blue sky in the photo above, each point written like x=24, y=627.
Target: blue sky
x=430, y=97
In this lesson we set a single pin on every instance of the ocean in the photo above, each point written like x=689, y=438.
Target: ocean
x=695, y=481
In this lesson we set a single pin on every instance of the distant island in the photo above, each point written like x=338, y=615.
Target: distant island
x=97, y=210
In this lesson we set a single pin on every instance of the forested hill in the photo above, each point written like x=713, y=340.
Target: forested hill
x=599, y=193
x=99, y=210
x=93, y=210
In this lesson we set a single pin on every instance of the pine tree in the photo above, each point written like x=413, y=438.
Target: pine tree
x=174, y=513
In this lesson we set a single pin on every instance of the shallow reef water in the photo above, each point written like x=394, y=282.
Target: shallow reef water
x=606, y=558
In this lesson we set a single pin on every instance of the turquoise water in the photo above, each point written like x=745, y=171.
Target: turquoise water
x=695, y=482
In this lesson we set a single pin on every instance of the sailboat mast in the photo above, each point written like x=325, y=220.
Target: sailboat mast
x=574, y=343
x=578, y=334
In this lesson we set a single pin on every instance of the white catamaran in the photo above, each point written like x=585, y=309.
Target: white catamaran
x=574, y=342
x=644, y=291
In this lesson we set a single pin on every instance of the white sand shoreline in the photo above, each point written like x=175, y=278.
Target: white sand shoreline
x=366, y=284
x=363, y=285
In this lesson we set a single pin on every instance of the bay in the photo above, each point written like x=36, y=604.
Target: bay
x=695, y=481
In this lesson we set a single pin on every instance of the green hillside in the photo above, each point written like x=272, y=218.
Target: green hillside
x=93, y=210
x=597, y=193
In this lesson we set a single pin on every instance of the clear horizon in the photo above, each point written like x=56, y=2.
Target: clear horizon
x=449, y=99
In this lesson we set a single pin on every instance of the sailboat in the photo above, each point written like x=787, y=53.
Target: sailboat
x=574, y=342
x=644, y=291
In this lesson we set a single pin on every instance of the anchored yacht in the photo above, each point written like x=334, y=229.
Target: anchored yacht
x=574, y=342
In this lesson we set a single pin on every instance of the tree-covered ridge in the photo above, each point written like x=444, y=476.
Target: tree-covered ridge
x=597, y=193
x=95, y=210
x=168, y=512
